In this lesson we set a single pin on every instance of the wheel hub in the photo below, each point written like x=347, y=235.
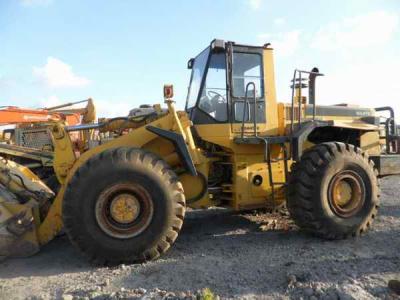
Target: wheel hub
x=343, y=193
x=124, y=208
x=346, y=194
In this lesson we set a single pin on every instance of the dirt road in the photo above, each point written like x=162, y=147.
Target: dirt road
x=246, y=256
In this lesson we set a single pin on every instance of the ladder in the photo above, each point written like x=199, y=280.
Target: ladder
x=273, y=184
x=268, y=141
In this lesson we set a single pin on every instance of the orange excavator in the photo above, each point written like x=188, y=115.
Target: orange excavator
x=12, y=115
x=16, y=123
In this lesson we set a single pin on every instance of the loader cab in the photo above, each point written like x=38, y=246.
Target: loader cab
x=228, y=82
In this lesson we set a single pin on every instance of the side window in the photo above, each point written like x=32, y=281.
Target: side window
x=213, y=99
x=246, y=68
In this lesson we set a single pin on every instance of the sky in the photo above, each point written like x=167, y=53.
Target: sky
x=122, y=52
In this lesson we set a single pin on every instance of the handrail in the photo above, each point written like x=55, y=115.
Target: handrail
x=386, y=108
x=246, y=99
x=391, y=132
x=391, y=111
x=297, y=77
x=299, y=100
x=292, y=107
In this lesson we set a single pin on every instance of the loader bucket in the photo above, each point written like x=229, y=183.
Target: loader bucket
x=22, y=195
x=18, y=236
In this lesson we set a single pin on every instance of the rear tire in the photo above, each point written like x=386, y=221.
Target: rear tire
x=333, y=192
x=123, y=205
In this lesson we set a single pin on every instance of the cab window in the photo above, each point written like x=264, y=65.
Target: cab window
x=247, y=68
x=198, y=70
x=213, y=99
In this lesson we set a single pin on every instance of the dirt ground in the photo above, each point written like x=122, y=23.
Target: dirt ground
x=253, y=255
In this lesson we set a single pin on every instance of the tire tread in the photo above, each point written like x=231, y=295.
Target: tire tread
x=300, y=201
x=116, y=156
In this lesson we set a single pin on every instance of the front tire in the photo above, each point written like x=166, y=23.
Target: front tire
x=123, y=205
x=333, y=192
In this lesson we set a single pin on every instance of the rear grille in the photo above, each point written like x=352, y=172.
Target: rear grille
x=37, y=138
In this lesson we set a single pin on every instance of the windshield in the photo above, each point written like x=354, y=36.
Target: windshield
x=213, y=100
x=197, y=75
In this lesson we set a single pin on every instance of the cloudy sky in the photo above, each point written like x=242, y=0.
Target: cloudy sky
x=122, y=52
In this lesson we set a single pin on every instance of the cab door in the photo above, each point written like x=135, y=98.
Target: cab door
x=207, y=101
x=247, y=89
x=210, y=112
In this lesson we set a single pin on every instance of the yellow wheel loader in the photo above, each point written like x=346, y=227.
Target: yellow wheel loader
x=121, y=196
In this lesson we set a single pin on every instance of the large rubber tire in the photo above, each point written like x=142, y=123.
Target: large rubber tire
x=127, y=167
x=308, y=194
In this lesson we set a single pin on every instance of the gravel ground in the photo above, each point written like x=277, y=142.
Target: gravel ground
x=255, y=255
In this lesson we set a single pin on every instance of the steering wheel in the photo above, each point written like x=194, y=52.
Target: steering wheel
x=213, y=95
x=211, y=100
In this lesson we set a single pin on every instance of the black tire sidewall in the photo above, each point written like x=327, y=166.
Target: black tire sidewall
x=82, y=195
x=308, y=190
x=342, y=163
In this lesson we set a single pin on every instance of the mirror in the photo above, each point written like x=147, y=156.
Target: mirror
x=190, y=63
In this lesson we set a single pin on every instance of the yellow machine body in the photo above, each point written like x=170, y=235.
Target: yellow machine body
x=247, y=188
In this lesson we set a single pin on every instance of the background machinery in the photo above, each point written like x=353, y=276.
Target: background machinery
x=121, y=195
x=13, y=118
x=16, y=115
x=25, y=133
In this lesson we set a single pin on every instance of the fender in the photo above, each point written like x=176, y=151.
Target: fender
x=180, y=147
x=300, y=136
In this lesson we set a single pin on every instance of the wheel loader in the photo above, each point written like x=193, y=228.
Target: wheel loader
x=122, y=196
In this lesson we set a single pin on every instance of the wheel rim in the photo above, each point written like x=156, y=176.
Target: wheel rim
x=124, y=210
x=346, y=194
